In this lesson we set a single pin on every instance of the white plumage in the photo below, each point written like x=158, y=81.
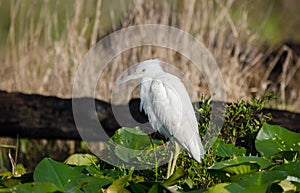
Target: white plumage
x=168, y=106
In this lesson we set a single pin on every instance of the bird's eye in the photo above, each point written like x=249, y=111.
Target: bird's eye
x=143, y=70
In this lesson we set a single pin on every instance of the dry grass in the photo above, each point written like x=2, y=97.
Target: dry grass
x=48, y=40
x=43, y=53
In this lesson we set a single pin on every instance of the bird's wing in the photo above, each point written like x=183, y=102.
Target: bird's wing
x=173, y=108
x=166, y=105
x=170, y=101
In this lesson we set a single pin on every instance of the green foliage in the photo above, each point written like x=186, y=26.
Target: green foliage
x=263, y=174
x=130, y=144
x=241, y=165
x=52, y=176
x=81, y=159
x=227, y=150
x=243, y=120
x=273, y=139
x=229, y=166
x=179, y=173
x=35, y=187
x=66, y=178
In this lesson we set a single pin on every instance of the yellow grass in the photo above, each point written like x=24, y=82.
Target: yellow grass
x=46, y=45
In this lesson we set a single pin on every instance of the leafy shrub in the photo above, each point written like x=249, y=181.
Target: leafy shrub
x=229, y=166
x=242, y=120
x=277, y=170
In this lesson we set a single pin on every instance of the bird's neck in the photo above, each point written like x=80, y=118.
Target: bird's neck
x=146, y=79
x=152, y=76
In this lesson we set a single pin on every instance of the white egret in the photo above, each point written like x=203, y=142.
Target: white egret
x=168, y=106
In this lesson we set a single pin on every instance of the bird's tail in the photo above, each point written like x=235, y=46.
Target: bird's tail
x=195, y=148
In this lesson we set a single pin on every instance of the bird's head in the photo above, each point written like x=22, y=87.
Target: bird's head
x=146, y=69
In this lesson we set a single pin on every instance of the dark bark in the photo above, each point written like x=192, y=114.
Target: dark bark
x=36, y=116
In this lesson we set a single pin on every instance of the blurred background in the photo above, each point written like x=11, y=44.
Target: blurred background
x=255, y=43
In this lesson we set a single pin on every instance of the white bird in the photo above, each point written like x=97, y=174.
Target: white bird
x=166, y=102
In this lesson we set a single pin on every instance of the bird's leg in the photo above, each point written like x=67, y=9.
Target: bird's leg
x=173, y=160
x=169, y=166
x=177, y=151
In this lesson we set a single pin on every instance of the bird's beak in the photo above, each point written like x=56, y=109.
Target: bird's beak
x=130, y=77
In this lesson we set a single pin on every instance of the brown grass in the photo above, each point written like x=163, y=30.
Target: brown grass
x=42, y=53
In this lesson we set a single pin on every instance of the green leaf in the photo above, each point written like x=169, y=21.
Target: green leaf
x=241, y=165
x=19, y=170
x=227, y=150
x=91, y=184
x=255, y=188
x=194, y=191
x=10, y=182
x=126, y=154
x=35, y=187
x=291, y=168
x=272, y=139
x=189, y=182
x=130, y=142
x=293, y=171
x=137, y=188
x=242, y=168
x=122, y=181
x=264, y=178
x=81, y=159
x=158, y=188
x=225, y=188
x=50, y=171
x=179, y=173
x=133, y=138
x=116, y=189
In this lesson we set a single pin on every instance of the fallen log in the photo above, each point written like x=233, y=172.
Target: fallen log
x=49, y=117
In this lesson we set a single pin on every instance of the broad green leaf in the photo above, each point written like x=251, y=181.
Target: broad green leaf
x=287, y=155
x=81, y=159
x=119, y=184
x=293, y=171
x=264, y=178
x=179, y=173
x=10, y=182
x=225, y=188
x=125, y=153
x=272, y=139
x=50, y=171
x=137, y=188
x=110, y=174
x=123, y=181
x=193, y=191
x=131, y=141
x=291, y=168
x=255, y=188
x=227, y=150
x=189, y=182
x=133, y=138
x=241, y=165
x=158, y=188
x=116, y=189
x=35, y=187
x=242, y=168
x=89, y=183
